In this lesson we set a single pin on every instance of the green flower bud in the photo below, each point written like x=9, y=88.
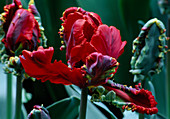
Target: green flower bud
x=110, y=96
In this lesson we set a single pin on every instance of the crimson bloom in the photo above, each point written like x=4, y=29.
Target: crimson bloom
x=78, y=26
x=84, y=33
x=71, y=15
x=106, y=40
x=38, y=64
x=21, y=29
x=92, y=49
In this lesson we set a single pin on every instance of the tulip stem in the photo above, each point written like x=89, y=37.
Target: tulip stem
x=83, y=103
x=9, y=96
x=18, y=97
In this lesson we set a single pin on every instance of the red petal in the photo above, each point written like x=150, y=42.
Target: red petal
x=37, y=65
x=80, y=52
x=95, y=17
x=97, y=66
x=107, y=40
x=139, y=100
x=81, y=31
x=68, y=11
x=34, y=10
x=73, y=14
x=69, y=22
x=21, y=29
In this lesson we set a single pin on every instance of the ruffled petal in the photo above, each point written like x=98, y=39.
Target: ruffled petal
x=81, y=32
x=107, y=40
x=37, y=65
x=71, y=15
x=136, y=99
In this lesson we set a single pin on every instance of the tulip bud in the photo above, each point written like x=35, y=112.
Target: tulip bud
x=149, y=50
x=110, y=96
x=39, y=112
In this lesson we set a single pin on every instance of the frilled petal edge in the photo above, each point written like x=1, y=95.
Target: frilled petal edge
x=136, y=99
x=56, y=72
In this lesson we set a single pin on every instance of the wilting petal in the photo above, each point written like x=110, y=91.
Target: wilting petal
x=107, y=40
x=136, y=99
x=37, y=65
x=100, y=67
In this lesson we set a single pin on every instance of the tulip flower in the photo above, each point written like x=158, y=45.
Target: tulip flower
x=92, y=50
x=21, y=28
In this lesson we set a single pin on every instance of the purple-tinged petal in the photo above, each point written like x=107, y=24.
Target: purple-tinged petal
x=100, y=67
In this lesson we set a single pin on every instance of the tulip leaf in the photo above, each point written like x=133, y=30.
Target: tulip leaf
x=100, y=104
x=65, y=109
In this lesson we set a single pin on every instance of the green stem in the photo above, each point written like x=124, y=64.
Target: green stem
x=9, y=96
x=18, y=97
x=83, y=103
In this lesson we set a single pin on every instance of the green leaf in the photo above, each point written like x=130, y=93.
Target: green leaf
x=65, y=109
x=100, y=104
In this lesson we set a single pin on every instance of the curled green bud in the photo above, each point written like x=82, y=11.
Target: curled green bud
x=149, y=50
